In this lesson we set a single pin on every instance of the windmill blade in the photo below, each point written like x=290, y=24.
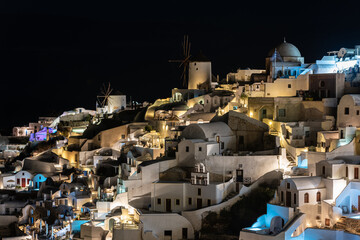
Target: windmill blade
x=188, y=53
x=183, y=75
x=186, y=60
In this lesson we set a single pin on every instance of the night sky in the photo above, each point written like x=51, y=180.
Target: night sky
x=55, y=55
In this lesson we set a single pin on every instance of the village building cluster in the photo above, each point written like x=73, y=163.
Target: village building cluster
x=130, y=170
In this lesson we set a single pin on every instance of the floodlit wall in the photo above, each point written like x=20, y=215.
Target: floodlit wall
x=287, y=87
x=254, y=166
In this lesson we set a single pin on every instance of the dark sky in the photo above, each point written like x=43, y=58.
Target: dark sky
x=55, y=55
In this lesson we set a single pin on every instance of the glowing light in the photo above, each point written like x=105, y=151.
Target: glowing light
x=251, y=114
x=270, y=123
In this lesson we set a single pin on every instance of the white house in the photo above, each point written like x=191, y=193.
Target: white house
x=167, y=196
x=348, y=114
x=23, y=178
x=201, y=140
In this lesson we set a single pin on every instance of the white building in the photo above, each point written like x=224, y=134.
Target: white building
x=348, y=114
x=167, y=196
x=202, y=140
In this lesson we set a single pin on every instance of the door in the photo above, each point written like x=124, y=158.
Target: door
x=199, y=203
x=356, y=173
x=241, y=143
x=184, y=233
x=23, y=182
x=240, y=175
x=168, y=205
x=288, y=199
x=263, y=114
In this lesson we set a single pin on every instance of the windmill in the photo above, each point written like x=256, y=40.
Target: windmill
x=184, y=62
x=103, y=99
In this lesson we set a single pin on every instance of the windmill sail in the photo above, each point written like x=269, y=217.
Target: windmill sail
x=184, y=62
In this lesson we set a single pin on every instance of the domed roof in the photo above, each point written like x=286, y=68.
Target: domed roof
x=286, y=50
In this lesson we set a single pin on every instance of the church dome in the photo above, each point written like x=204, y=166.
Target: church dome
x=286, y=50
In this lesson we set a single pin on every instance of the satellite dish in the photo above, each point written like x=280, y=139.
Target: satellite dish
x=343, y=51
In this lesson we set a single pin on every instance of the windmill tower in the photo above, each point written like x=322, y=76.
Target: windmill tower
x=200, y=74
x=184, y=62
x=102, y=100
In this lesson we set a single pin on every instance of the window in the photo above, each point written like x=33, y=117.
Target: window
x=327, y=221
x=28, y=181
x=177, y=201
x=187, y=148
x=307, y=134
x=306, y=198
x=323, y=170
x=346, y=111
x=23, y=174
x=294, y=198
x=123, y=136
x=288, y=185
x=282, y=112
x=282, y=196
x=197, y=69
x=209, y=202
x=322, y=84
x=346, y=172
x=99, y=137
x=168, y=233
x=199, y=191
x=357, y=112
x=18, y=181
x=289, y=85
x=159, y=201
x=200, y=149
x=356, y=173
x=190, y=201
x=318, y=196
x=222, y=145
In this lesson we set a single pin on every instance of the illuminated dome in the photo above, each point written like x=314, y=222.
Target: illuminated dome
x=286, y=50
